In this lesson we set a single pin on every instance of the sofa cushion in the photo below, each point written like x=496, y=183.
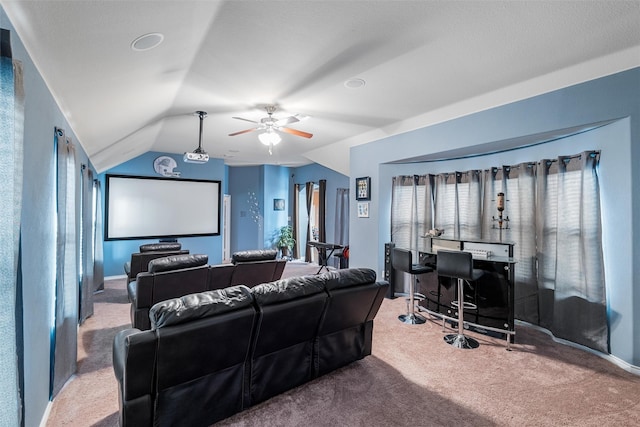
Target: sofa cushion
x=155, y=247
x=350, y=277
x=254, y=255
x=288, y=289
x=198, y=306
x=177, y=262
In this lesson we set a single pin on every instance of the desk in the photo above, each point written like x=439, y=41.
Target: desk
x=322, y=253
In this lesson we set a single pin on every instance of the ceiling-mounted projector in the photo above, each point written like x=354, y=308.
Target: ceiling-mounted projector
x=198, y=155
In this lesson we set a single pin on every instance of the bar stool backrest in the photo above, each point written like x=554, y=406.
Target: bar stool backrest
x=455, y=264
x=401, y=259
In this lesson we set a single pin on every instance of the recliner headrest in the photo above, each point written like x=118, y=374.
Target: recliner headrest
x=199, y=306
x=177, y=262
x=155, y=247
x=288, y=289
x=350, y=277
x=254, y=255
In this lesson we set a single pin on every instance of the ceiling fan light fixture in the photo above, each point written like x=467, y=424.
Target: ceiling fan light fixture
x=269, y=138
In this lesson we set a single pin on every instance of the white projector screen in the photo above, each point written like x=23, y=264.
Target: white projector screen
x=146, y=207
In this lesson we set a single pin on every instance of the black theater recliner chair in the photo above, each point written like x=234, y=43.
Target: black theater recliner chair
x=256, y=266
x=171, y=376
x=289, y=314
x=140, y=260
x=168, y=277
x=346, y=333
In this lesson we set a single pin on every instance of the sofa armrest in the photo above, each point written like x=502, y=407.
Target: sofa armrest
x=134, y=354
x=133, y=362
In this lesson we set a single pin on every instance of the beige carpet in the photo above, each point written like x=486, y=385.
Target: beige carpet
x=412, y=378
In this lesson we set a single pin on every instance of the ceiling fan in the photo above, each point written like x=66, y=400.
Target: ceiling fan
x=270, y=125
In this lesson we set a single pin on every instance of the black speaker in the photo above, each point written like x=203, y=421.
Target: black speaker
x=389, y=272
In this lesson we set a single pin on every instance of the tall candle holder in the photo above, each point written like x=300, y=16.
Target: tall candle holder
x=503, y=223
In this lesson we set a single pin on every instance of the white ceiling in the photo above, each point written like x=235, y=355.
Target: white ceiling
x=419, y=59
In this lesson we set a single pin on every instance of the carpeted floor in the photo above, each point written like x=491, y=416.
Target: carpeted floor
x=412, y=379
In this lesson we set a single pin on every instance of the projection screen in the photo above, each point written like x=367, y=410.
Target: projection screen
x=147, y=207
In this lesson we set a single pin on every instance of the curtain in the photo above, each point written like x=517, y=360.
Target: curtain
x=341, y=232
x=552, y=214
x=445, y=216
x=570, y=261
x=296, y=225
x=307, y=252
x=11, y=173
x=518, y=183
x=468, y=218
x=402, y=217
x=87, y=245
x=98, y=240
x=67, y=281
x=322, y=207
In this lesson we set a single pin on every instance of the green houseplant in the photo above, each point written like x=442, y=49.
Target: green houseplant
x=285, y=240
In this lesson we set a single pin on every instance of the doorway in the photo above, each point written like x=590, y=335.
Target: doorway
x=308, y=222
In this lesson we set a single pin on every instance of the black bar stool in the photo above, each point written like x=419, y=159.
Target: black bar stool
x=402, y=260
x=459, y=265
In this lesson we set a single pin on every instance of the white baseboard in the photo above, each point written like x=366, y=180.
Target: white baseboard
x=633, y=369
x=45, y=416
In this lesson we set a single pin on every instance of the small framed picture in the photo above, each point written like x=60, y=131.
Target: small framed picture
x=363, y=209
x=363, y=188
x=278, y=204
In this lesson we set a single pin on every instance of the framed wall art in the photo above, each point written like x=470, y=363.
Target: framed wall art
x=363, y=209
x=363, y=188
x=278, y=204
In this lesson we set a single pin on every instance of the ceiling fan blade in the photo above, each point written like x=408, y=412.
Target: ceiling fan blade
x=243, y=131
x=296, y=132
x=246, y=120
x=286, y=121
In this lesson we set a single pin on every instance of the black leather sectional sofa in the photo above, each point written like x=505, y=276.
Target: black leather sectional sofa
x=177, y=275
x=210, y=355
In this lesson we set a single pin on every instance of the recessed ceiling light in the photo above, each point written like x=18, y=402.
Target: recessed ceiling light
x=147, y=41
x=354, y=83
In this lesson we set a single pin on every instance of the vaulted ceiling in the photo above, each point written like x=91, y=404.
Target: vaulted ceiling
x=360, y=70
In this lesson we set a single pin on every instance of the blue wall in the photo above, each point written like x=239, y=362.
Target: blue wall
x=38, y=230
x=270, y=182
x=246, y=189
x=276, y=186
x=314, y=173
x=614, y=98
x=117, y=252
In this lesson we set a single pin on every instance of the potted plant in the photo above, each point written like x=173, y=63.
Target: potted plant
x=286, y=241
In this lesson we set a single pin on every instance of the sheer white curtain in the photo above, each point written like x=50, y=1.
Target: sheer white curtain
x=11, y=173
x=468, y=199
x=404, y=215
x=444, y=205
